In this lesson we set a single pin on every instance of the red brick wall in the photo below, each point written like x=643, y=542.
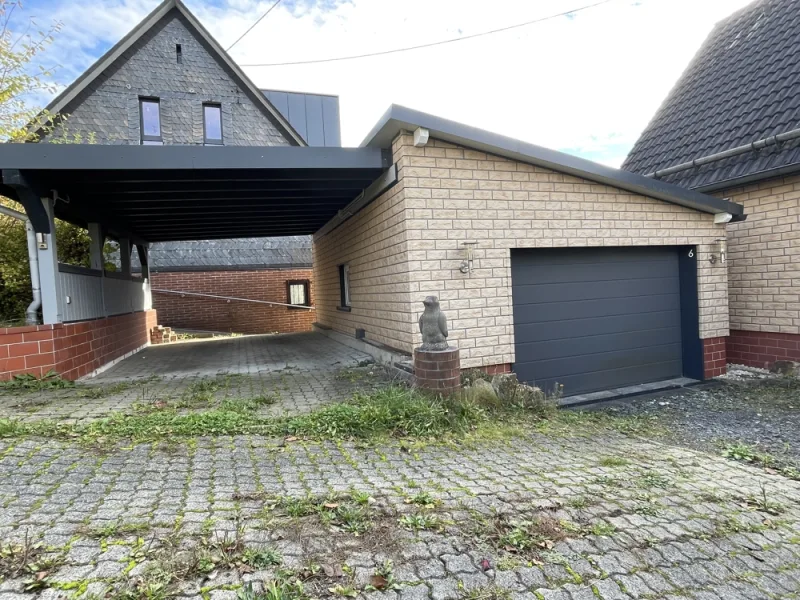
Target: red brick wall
x=714, y=360
x=494, y=369
x=762, y=348
x=211, y=314
x=72, y=349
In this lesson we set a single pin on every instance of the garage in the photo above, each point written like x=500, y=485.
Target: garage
x=597, y=318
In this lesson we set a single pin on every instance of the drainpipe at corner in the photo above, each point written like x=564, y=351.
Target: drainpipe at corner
x=32, y=312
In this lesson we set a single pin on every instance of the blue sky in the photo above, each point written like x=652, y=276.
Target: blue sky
x=586, y=84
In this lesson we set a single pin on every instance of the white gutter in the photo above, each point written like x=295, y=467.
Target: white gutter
x=32, y=312
x=772, y=140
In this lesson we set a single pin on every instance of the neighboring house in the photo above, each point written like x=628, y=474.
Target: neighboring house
x=204, y=285
x=560, y=269
x=742, y=88
x=174, y=85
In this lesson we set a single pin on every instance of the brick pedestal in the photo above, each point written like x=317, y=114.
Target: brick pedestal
x=438, y=370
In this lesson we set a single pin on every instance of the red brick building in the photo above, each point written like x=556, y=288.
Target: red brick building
x=228, y=285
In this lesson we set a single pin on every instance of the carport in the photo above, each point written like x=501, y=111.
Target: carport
x=138, y=195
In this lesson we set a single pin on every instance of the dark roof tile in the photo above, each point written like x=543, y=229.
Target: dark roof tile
x=741, y=86
x=286, y=252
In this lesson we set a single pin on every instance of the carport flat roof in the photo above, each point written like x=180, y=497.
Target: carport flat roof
x=169, y=193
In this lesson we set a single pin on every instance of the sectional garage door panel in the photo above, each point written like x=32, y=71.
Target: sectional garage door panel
x=596, y=318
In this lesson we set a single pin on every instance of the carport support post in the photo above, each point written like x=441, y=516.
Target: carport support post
x=48, y=269
x=96, y=243
x=125, y=255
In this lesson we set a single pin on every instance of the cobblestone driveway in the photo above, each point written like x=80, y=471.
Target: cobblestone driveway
x=627, y=519
x=299, y=372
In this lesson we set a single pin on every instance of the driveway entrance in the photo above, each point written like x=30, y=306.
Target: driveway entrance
x=290, y=374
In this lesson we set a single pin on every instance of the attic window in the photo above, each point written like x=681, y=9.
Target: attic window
x=150, y=121
x=212, y=124
x=178, y=54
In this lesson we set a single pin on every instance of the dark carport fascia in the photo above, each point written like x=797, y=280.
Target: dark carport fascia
x=151, y=193
x=400, y=118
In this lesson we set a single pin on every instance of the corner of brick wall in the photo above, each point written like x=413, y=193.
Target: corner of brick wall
x=715, y=361
x=72, y=349
x=762, y=348
x=215, y=314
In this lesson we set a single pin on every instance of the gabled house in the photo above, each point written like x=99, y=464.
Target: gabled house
x=169, y=82
x=557, y=268
x=731, y=127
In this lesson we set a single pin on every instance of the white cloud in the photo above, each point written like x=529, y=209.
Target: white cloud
x=588, y=84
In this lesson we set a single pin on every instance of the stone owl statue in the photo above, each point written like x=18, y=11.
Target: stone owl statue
x=433, y=326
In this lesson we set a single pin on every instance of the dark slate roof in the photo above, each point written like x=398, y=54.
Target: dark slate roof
x=254, y=253
x=313, y=116
x=742, y=85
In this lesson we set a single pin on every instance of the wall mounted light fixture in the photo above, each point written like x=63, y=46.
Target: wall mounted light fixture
x=469, y=249
x=722, y=251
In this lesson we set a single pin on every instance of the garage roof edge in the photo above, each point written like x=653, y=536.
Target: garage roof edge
x=399, y=118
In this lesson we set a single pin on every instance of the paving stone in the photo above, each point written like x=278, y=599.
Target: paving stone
x=54, y=490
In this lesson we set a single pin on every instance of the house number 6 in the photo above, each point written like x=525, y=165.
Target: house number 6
x=691, y=253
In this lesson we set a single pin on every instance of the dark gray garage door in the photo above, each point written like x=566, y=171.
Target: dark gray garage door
x=594, y=319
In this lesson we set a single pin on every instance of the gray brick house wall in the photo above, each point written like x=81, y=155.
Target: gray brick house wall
x=109, y=108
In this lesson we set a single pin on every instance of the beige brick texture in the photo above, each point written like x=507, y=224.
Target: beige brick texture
x=374, y=245
x=764, y=257
x=408, y=244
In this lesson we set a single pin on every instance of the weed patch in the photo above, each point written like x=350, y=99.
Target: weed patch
x=27, y=382
x=614, y=461
x=28, y=559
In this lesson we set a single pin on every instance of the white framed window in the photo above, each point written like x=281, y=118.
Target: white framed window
x=298, y=293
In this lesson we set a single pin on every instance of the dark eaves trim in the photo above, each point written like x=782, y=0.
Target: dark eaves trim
x=60, y=102
x=399, y=118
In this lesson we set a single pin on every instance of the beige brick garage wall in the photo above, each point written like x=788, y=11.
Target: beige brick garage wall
x=448, y=195
x=373, y=243
x=764, y=255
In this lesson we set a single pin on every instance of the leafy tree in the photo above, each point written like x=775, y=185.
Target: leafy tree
x=21, y=75
x=21, y=78
x=73, y=244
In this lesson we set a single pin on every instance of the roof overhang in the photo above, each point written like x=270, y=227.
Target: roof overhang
x=400, y=118
x=170, y=193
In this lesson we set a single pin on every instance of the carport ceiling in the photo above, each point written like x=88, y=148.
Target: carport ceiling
x=175, y=193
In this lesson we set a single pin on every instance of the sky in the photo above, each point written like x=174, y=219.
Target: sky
x=586, y=83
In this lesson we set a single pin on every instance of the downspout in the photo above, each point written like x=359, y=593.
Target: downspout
x=32, y=312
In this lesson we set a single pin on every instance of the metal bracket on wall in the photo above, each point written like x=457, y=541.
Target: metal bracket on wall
x=27, y=196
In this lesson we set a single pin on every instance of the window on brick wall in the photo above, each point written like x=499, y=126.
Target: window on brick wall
x=344, y=287
x=212, y=124
x=298, y=293
x=150, y=121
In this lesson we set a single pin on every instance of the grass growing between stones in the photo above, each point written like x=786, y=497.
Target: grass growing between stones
x=394, y=411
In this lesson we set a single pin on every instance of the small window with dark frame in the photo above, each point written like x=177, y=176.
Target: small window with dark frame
x=150, y=121
x=344, y=286
x=298, y=293
x=212, y=124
